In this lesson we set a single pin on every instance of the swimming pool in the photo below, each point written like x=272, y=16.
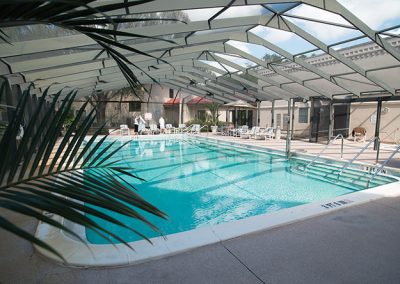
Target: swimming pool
x=214, y=191
x=199, y=183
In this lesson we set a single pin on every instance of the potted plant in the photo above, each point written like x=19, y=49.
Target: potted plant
x=213, y=108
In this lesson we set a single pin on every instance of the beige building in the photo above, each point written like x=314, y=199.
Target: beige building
x=364, y=115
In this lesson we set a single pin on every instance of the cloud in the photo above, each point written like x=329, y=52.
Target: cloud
x=238, y=60
x=374, y=13
x=232, y=12
x=272, y=35
x=323, y=32
x=243, y=46
x=218, y=66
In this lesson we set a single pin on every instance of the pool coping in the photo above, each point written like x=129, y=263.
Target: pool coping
x=108, y=255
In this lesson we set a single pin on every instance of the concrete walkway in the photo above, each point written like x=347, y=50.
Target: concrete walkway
x=350, y=148
x=354, y=245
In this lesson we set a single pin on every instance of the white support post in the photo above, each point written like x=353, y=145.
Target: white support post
x=180, y=109
x=288, y=134
x=236, y=117
x=273, y=114
x=331, y=121
x=292, y=119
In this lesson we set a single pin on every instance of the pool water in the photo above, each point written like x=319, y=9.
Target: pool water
x=197, y=182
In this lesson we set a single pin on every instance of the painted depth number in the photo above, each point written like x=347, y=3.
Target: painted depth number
x=336, y=203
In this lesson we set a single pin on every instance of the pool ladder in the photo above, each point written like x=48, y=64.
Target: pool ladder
x=345, y=166
x=324, y=149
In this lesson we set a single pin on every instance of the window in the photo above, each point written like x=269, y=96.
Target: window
x=171, y=93
x=303, y=115
x=286, y=119
x=135, y=106
x=201, y=114
x=278, y=122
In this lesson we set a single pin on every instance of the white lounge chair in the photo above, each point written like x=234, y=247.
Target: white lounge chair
x=195, y=129
x=240, y=131
x=124, y=130
x=180, y=129
x=168, y=128
x=264, y=134
x=249, y=134
x=269, y=133
x=154, y=129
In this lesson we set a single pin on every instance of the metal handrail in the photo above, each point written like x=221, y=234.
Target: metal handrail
x=378, y=171
x=326, y=147
x=359, y=153
x=186, y=129
x=205, y=125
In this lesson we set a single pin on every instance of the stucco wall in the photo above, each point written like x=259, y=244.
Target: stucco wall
x=360, y=115
x=281, y=108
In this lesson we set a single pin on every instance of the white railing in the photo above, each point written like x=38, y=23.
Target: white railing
x=359, y=153
x=205, y=125
x=326, y=147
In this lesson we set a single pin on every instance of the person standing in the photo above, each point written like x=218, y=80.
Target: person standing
x=142, y=124
x=162, y=124
x=136, y=123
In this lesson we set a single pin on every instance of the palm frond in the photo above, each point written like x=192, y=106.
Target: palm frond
x=82, y=17
x=64, y=175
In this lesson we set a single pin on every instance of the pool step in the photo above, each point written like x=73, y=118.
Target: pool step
x=351, y=174
x=356, y=181
x=349, y=178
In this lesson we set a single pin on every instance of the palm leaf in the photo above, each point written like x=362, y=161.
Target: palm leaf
x=84, y=181
x=78, y=16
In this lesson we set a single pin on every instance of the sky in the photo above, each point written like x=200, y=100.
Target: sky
x=377, y=14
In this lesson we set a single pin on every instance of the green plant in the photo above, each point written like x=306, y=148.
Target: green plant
x=78, y=171
x=69, y=119
x=213, y=108
x=32, y=181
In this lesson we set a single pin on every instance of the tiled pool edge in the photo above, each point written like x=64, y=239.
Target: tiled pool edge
x=77, y=254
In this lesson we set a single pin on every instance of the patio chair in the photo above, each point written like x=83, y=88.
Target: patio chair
x=195, y=129
x=359, y=132
x=240, y=131
x=225, y=130
x=269, y=133
x=220, y=131
x=168, y=128
x=180, y=128
x=264, y=134
x=250, y=133
x=154, y=129
x=124, y=130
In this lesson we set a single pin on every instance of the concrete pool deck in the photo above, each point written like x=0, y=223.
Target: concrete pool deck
x=358, y=244
x=350, y=148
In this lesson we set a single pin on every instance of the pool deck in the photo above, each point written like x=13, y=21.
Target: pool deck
x=358, y=244
x=350, y=148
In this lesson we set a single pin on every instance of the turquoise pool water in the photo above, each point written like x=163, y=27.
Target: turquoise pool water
x=197, y=182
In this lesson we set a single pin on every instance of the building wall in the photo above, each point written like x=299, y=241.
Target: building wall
x=362, y=114
x=281, y=110
x=117, y=113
